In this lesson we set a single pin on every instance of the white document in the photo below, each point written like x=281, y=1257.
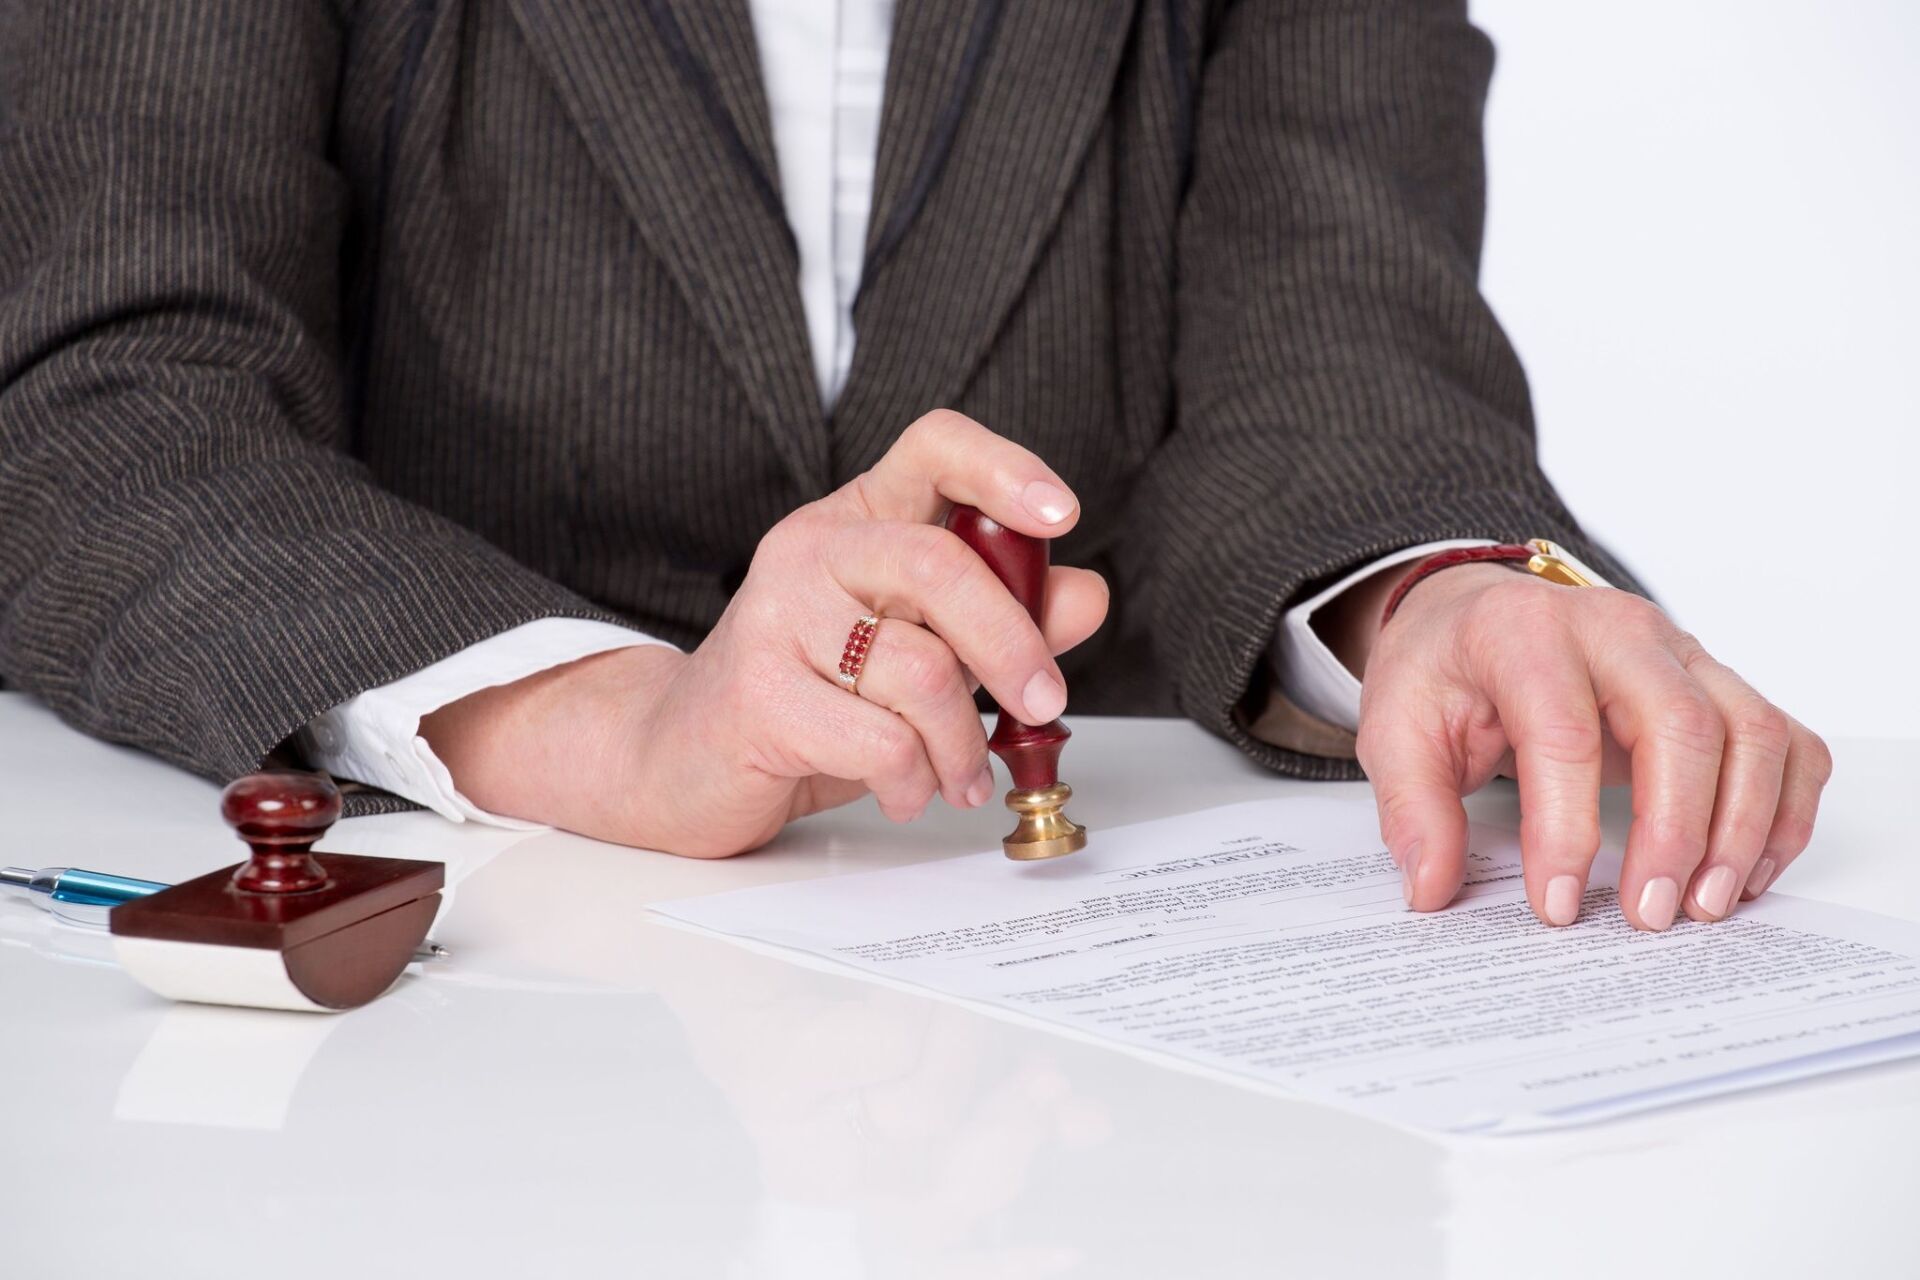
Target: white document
x=1269, y=940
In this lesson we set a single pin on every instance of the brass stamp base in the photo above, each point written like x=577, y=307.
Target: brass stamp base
x=1043, y=831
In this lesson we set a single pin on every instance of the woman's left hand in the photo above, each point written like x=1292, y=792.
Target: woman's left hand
x=1483, y=670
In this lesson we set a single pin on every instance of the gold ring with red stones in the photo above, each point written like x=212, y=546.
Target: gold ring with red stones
x=853, y=659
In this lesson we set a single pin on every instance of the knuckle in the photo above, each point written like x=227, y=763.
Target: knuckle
x=915, y=436
x=1519, y=611
x=931, y=431
x=1687, y=648
x=759, y=609
x=1764, y=728
x=937, y=560
x=1567, y=740
x=1530, y=602
x=1623, y=616
x=1792, y=832
x=1629, y=609
x=774, y=542
x=1520, y=614
x=1692, y=724
x=1395, y=804
x=787, y=544
x=1383, y=735
x=1819, y=758
x=861, y=493
x=1492, y=608
x=1017, y=642
x=896, y=753
x=840, y=545
x=1364, y=745
x=1393, y=814
x=1536, y=620
x=1676, y=838
x=1745, y=826
x=927, y=673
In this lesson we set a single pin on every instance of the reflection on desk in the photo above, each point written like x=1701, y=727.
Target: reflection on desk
x=586, y=1089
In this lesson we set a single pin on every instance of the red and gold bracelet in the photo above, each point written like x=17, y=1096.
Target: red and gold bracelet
x=1538, y=556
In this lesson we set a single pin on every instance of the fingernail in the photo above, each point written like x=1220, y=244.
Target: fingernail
x=1563, y=899
x=1410, y=872
x=1714, y=893
x=982, y=787
x=1658, y=901
x=1762, y=877
x=1048, y=502
x=1044, y=698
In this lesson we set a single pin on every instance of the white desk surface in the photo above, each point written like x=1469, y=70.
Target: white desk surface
x=586, y=1091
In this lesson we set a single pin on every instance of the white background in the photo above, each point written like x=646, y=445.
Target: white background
x=1704, y=238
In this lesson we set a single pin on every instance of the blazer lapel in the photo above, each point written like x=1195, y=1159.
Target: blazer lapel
x=989, y=108
x=670, y=100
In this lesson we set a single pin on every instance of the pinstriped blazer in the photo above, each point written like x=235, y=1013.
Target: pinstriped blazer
x=336, y=336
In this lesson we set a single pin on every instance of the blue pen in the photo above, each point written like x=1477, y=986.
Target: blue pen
x=85, y=897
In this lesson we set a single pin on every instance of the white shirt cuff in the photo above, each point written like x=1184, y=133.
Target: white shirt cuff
x=1317, y=682
x=374, y=737
x=1311, y=677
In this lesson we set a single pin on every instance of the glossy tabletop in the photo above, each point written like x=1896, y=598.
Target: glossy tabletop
x=588, y=1090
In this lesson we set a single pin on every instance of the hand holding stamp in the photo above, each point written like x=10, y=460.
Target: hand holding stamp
x=1030, y=752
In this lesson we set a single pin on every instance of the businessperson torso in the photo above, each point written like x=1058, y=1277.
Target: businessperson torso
x=1214, y=263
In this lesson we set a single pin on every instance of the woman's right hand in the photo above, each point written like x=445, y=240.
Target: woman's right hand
x=710, y=753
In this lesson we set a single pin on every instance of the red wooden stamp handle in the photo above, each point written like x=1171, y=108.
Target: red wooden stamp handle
x=1031, y=752
x=280, y=815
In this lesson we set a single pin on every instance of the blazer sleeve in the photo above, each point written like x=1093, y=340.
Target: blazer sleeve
x=1341, y=388
x=189, y=562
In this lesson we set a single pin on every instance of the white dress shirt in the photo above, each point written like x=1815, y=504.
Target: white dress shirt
x=824, y=63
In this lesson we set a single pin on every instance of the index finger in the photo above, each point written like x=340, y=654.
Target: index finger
x=947, y=457
x=1416, y=787
x=922, y=573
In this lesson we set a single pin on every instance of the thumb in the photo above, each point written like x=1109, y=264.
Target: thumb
x=1416, y=785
